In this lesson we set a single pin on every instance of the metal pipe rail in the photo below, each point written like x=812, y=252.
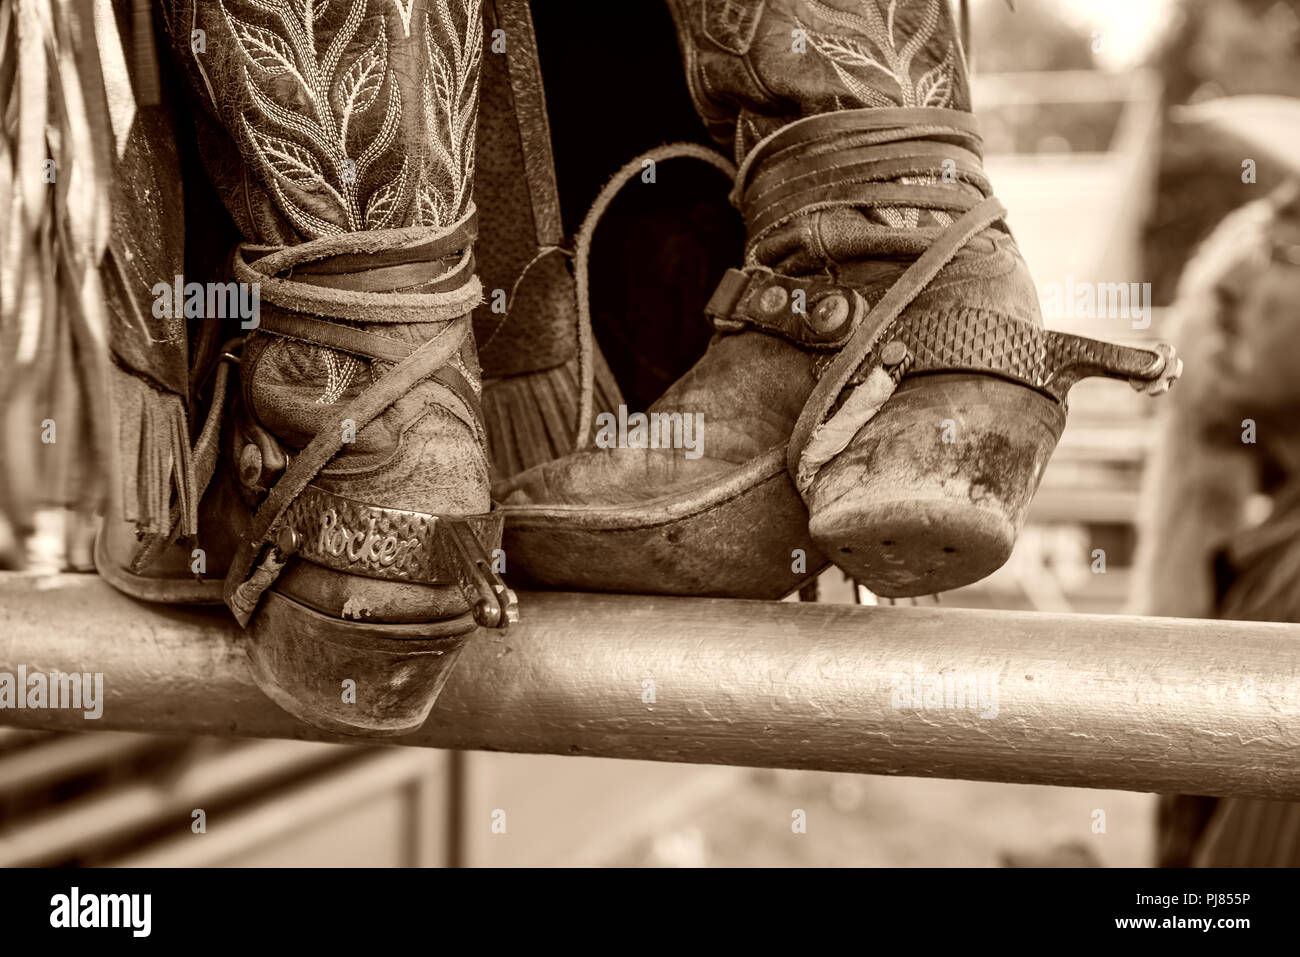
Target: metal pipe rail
x=1143, y=704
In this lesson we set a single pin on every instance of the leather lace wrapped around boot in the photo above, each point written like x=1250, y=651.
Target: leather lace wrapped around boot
x=881, y=392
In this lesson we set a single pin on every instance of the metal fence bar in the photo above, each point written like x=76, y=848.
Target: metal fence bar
x=1143, y=704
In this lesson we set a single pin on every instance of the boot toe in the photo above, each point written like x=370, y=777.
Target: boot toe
x=931, y=493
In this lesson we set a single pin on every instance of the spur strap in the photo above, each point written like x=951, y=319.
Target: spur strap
x=297, y=518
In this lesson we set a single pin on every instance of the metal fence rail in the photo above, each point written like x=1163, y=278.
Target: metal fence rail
x=1168, y=705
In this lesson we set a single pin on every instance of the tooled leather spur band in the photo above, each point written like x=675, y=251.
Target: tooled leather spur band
x=372, y=541
x=399, y=545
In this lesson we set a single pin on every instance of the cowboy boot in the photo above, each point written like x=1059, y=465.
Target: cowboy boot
x=881, y=391
x=341, y=140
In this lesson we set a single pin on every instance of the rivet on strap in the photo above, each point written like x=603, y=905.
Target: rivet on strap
x=811, y=313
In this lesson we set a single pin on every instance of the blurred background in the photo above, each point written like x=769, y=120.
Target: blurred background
x=1109, y=177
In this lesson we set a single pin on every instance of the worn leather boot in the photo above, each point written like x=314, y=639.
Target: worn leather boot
x=881, y=392
x=341, y=138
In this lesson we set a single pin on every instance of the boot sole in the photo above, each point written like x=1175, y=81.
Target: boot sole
x=720, y=540
x=931, y=494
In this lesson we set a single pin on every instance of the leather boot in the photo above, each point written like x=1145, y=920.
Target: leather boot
x=881, y=392
x=341, y=137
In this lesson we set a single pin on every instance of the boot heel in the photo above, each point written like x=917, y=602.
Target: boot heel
x=301, y=660
x=932, y=493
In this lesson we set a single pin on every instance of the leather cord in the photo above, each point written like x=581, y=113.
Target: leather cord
x=459, y=289
x=582, y=260
x=855, y=159
x=861, y=158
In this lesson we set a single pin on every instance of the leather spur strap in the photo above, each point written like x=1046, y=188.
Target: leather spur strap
x=854, y=158
x=299, y=519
